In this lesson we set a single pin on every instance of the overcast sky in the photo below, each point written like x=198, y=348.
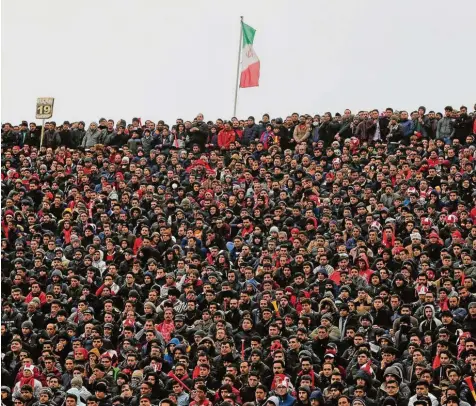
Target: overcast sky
x=160, y=59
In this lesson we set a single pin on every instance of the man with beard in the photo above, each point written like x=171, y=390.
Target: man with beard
x=306, y=369
x=198, y=133
x=248, y=391
x=463, y=125
x=180, y=373
x=65, y=135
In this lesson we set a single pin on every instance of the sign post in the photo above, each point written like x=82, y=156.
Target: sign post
x=44, y=110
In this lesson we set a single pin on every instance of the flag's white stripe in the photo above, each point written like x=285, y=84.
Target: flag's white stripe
x=249, y=57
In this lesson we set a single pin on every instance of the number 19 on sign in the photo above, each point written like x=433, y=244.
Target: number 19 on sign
x=44, y=107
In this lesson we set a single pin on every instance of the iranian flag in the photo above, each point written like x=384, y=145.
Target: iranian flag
x=250, y=63
x=367, y=368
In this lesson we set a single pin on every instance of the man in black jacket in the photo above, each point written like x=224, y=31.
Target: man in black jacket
x=33, y=136
x=198, y=132
x=384, y=122
x=250, y=132
x=463, y=125
x=77, y=134
x=9, y=137
x=65, y=135
x=51, y=138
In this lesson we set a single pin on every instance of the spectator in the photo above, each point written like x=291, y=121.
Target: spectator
x=315, y=260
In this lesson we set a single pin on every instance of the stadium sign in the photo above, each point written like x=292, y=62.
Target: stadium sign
x=44, y=107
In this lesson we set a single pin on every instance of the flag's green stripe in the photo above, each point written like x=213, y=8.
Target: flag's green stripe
x=248, y=34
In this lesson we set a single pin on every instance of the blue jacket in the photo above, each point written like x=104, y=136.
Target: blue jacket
x=407, y=127
x=250, y=133
x=288, y=400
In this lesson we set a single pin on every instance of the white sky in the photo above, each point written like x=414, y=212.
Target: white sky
x=160, y=59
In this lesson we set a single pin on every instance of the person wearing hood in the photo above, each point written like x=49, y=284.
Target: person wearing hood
x=364, y=268
x=393, y=374
x=169, y=356
x=305, y=369
x=316, y=398
x=272, y=401
x=98, y=261
x=401, y=288
x=363, y=381
x=431, y=323
x=55, y=278
x=6, y=396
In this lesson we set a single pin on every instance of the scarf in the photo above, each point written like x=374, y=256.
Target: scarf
x=27, y=381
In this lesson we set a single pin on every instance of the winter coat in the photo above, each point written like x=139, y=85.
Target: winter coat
x=301, y=133
x=9, y=139
x=77, y=136
x=37, y=386
x=445, y=128
x=382, y=317
x=66, y=138
x=327, y=130
x=250, y=133
x=176, y=141
x=463, y=127
x=199, y=137
x=407, y=127
x=429, y=325
x=32, y=138
x=366, y=130
x=148, y=144
x=273, y=399
x=14, y=319
x=51, y=139
x=92, y=138
x=225, y=138
x=395, y=133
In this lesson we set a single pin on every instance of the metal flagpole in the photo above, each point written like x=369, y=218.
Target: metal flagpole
x=238, y=66
x=42, y=133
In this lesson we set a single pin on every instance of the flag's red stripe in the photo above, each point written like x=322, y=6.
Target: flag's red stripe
x=250, y=76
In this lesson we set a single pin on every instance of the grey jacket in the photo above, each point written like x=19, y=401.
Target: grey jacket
x=92, y=138
x=147, y=143
x=445, y=128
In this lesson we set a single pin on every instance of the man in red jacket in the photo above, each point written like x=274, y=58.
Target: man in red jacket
x=226, y=136
x=36, y=292
x=199, y=396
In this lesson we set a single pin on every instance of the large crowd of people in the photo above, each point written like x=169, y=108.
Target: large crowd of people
x=325, y=260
